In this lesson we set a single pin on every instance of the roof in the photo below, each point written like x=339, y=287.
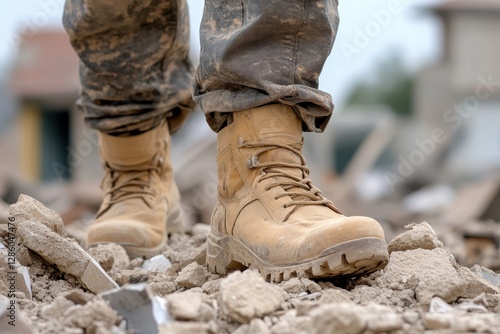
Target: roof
x=468, y=5
x=46, y=65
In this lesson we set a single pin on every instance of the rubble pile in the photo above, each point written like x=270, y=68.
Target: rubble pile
x=64, y=288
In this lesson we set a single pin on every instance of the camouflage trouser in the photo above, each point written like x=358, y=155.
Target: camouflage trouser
x=135, y=69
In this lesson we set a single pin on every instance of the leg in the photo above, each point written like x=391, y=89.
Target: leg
x=258, y=85
x=263, y=51
x=134, y=66
x=136, y=88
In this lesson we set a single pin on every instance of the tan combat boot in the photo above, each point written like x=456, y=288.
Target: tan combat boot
x=140, y=195
x=271, y=217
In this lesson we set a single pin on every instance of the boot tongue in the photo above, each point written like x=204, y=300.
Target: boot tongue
x=134, y=151
x=280, y=125
x=277, y=123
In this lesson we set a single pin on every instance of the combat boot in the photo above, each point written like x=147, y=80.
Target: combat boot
x=141, y=198
x=271, y=217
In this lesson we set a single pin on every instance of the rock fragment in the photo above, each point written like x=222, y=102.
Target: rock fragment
x=29, y=209
x=201, y=229
x=418, y=236
x=211, y=287
x=16, y=277
x=23, y=281
x=436, y=274
x=293, y=286
x=180, y=327
x=191, y=306
x=143, y=311
x=245, y=295
x=66, y=254
x=96, y=313
x=96, y=279
x=487, y=274
x=193, y=275
x=343, y=318
x=436, y=321
x=158, y=263
x=13, y=321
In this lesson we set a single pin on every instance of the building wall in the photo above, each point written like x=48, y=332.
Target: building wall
x=474, y=43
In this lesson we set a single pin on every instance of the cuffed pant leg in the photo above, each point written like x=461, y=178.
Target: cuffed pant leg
x=134, y=67
x=256, y=52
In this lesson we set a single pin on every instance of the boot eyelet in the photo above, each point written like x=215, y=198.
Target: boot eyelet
x=252, y=162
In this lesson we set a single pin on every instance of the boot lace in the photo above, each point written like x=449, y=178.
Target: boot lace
x=129, y=183
x=299, y=188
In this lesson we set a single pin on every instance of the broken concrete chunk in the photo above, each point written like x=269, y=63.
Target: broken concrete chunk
x=436, y=321
x=191, y=306
x=96, y=279
x=192, y=276
x=201, y=229
x=78, y=297
x=13, y=321
x=16, y=277
x=246, y=295
x=110, y=256
x=418, y=236
x=23, y=281
x=438, y=305
x=143, y=311
x=96, y=313
x=486, y=274
x=211, y=286
x=29, y=209
x=56, y=308
x=66, y=254
x=158, y=263
x=343, y=318
x=181, y=327
x=435, y=273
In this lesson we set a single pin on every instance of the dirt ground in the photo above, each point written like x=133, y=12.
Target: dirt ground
x=422, y=289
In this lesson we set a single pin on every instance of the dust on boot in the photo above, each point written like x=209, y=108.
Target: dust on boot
x=141, y=199
x=271, y=217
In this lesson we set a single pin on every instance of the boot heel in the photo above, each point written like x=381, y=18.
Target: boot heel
x=222, y=255
x=216, y=259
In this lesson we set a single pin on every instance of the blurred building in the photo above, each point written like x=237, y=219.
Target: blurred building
x=461, y=94
x=52, y=139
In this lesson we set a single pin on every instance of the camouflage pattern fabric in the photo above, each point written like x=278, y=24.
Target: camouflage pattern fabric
x=135, y=69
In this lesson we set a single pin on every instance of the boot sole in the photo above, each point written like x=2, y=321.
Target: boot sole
x=352, y=258
x=175, y=218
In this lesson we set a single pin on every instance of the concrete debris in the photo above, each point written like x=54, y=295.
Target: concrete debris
x=78, y=297
x=66, y=254
x=433, y=273
x=23, y=281
x=422, y=289
x=438, y=305
x=29, y=209
x=201, y=229
x=143, y=311
x=16, y=277
x=339, y=318
x=245, y=295
x=13, y=321
x=190, y=306
x=417, y=236
x=180, y=327
x=193, y=275
x=487, y=275
x=157, y=263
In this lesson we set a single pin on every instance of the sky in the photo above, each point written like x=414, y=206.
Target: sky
x=370, y=33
